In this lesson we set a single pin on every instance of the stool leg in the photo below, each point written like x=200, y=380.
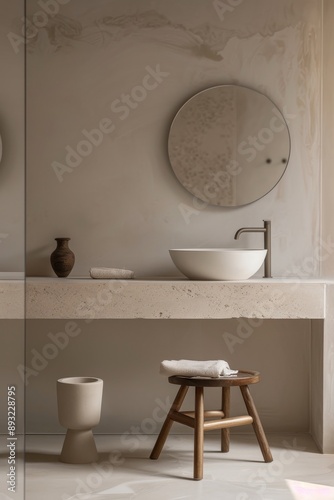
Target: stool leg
x=257, y=426
x=225, y=433
x=199, y=433
x=177, y=403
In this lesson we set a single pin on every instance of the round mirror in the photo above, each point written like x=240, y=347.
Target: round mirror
x=229, y=145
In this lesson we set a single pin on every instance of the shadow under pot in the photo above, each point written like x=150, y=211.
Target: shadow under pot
x=62, y=258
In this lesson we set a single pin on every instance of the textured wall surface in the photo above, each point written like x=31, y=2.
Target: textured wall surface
x=12, y=133
x=122, y=69
x=327, y=141
x=126, y=354
x=11, y=208
x=105, y=79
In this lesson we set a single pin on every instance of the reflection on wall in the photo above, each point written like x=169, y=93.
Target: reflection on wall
x=12, y=137
x=11, y=222
x=202, y=145
x=263, y=147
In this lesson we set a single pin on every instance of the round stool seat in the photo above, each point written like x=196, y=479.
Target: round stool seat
x=243, y=377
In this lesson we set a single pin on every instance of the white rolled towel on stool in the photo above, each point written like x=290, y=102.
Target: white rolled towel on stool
x=190, y=368
x=110, y=273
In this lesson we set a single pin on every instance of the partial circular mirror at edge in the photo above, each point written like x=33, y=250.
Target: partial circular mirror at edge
x=229, y=145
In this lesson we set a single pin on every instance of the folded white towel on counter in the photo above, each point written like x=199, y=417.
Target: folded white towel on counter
x=190, y=368
x=110, y=273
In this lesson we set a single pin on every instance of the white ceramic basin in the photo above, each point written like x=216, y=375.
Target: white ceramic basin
x=227, y=264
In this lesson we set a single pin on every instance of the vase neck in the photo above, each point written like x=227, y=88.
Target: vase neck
x=62, y=242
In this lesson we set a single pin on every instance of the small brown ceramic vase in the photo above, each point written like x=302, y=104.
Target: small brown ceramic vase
x=62, y=258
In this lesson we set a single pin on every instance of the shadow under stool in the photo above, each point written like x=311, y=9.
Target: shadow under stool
x=201, y=420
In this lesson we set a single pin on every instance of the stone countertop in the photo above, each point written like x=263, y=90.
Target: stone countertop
x=174, y=298
x=11, y=299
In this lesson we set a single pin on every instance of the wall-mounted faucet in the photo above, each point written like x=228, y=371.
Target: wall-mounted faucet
x=266, y=230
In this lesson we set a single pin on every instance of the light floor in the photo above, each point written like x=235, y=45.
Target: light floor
x=124, y=471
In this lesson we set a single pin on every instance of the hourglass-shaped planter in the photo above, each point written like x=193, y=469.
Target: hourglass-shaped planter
x=79, y=410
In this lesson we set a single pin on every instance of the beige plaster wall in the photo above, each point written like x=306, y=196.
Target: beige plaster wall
x=12, y=133
x=123, y=207
x=126, y=354
x=118, y=199
x=11, y=199
x=327, y=142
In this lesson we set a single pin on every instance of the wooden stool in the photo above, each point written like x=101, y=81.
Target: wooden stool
x=196, y=419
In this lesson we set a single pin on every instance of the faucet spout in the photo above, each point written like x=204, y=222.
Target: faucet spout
x=266, y=230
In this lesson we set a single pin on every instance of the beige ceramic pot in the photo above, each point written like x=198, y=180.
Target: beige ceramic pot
x=79, y=410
